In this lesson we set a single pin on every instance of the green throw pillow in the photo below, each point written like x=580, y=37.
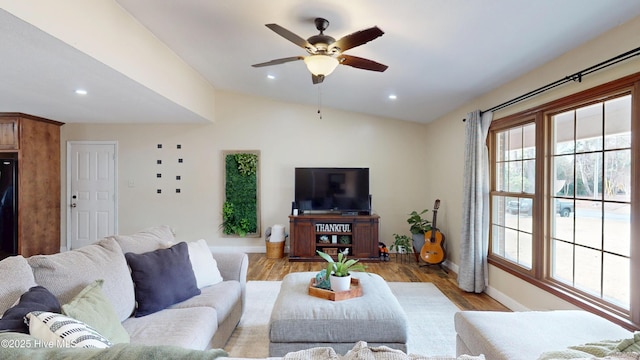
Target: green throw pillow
x=92, y=307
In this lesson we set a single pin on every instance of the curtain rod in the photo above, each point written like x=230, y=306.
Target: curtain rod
x=574, y=77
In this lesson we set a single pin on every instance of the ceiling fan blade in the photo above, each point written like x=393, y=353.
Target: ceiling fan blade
x=279, y=61
x=361, y=63
x=317, y=79
x=357, y=38
x=303, y=43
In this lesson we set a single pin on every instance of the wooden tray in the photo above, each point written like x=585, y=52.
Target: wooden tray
x=353, y=292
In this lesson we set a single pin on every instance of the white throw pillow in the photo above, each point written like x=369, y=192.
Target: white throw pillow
x=57, y=330
x=205, y=267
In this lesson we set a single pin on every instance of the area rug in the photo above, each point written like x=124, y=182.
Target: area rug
x=430, y=314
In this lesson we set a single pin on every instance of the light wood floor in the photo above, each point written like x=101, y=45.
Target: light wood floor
x=397, y=269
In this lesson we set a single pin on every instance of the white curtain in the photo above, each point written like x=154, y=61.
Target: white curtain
x=474, y=239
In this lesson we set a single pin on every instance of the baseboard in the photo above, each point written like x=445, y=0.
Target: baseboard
x=505, y=300
x=492, y=292
x=453, y=267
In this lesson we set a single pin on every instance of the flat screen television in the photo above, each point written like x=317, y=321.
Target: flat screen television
x=332, y=190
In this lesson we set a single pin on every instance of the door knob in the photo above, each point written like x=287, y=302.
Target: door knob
x=73, y=205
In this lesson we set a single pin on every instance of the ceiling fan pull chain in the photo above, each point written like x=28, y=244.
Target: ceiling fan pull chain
x=319, y=101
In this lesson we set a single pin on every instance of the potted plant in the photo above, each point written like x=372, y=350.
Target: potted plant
x=339, y=272
x=418, y=226
x=402, y=244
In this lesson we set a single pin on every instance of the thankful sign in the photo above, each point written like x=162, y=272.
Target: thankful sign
x=334, y=228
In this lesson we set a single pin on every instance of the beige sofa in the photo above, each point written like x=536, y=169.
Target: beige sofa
x=201, y=322
x=528, y=334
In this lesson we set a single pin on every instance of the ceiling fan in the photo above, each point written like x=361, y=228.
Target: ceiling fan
x=325, y=52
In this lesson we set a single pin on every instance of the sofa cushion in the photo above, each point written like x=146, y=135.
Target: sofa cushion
x=149, y=239
x=190, y=328
x=66, y=274
x=36, y=298
x=94, y=309
x=62, y=331
x=162, y=278
x=17, y=278
x=204, y=265
x=222, y=297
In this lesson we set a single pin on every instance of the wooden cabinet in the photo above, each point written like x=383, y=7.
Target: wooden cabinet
x=9, y=133
x=35, y=143
x=333, y=233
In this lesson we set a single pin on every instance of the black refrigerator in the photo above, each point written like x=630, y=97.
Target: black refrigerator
x=8, y=207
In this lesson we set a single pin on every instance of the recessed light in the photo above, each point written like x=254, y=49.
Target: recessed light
x=81, y=91
x=271, y=77
x=392, y=97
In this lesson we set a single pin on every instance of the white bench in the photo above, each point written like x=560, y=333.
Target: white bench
x=526, y=335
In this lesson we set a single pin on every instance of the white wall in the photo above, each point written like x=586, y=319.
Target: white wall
x=287, y=136
x=446, y=140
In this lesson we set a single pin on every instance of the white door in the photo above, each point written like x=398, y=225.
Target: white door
x=91, y=191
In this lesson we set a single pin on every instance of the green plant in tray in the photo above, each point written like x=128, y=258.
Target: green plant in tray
x=342, y=266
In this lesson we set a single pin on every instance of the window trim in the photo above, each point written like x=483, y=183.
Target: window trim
x=539, y=274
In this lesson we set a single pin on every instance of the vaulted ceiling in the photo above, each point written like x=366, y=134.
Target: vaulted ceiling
x=441, y=54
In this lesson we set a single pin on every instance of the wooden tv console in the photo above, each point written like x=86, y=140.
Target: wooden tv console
x=331, y=233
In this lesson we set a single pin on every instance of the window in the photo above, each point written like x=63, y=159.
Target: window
x=590, y=240
x=562, y=177
x=512, y=226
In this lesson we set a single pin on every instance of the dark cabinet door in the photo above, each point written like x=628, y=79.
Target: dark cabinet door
x=365, y=238
x=302, y=238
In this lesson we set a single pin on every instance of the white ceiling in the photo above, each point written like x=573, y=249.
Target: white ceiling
x=440, y=53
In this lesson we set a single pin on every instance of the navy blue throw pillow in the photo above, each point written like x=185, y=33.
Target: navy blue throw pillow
x=38, y=298
x=162, y=278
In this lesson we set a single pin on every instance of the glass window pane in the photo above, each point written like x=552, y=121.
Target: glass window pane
x=525, y=252
x=617, y=175
x=617, y=126
x=562, y=262
x=515, y=143
x=587, y=270
x=562, y=227
x=498, y=207
x=511, y=245
x=497, y=240
x=501, y=177
x=617, y=282
x=529, y=176
x=515, y=176
x=501, y=149
x=589, y=175
x=563, y=128
x=617, y=228
x=529, y=139
x=589, y=224
x=564, y=178
x=525, y=221
x=589, y=128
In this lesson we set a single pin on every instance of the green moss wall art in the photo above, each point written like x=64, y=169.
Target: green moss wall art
x=241, y=210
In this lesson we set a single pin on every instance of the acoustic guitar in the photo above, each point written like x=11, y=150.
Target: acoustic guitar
x=432, y=251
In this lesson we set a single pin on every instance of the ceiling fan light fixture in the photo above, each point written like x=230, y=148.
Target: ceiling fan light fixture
x=321, y=64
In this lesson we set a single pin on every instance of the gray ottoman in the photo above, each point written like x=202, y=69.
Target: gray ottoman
x=301, y=321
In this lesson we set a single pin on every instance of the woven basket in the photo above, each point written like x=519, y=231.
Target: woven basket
x=275, y=250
